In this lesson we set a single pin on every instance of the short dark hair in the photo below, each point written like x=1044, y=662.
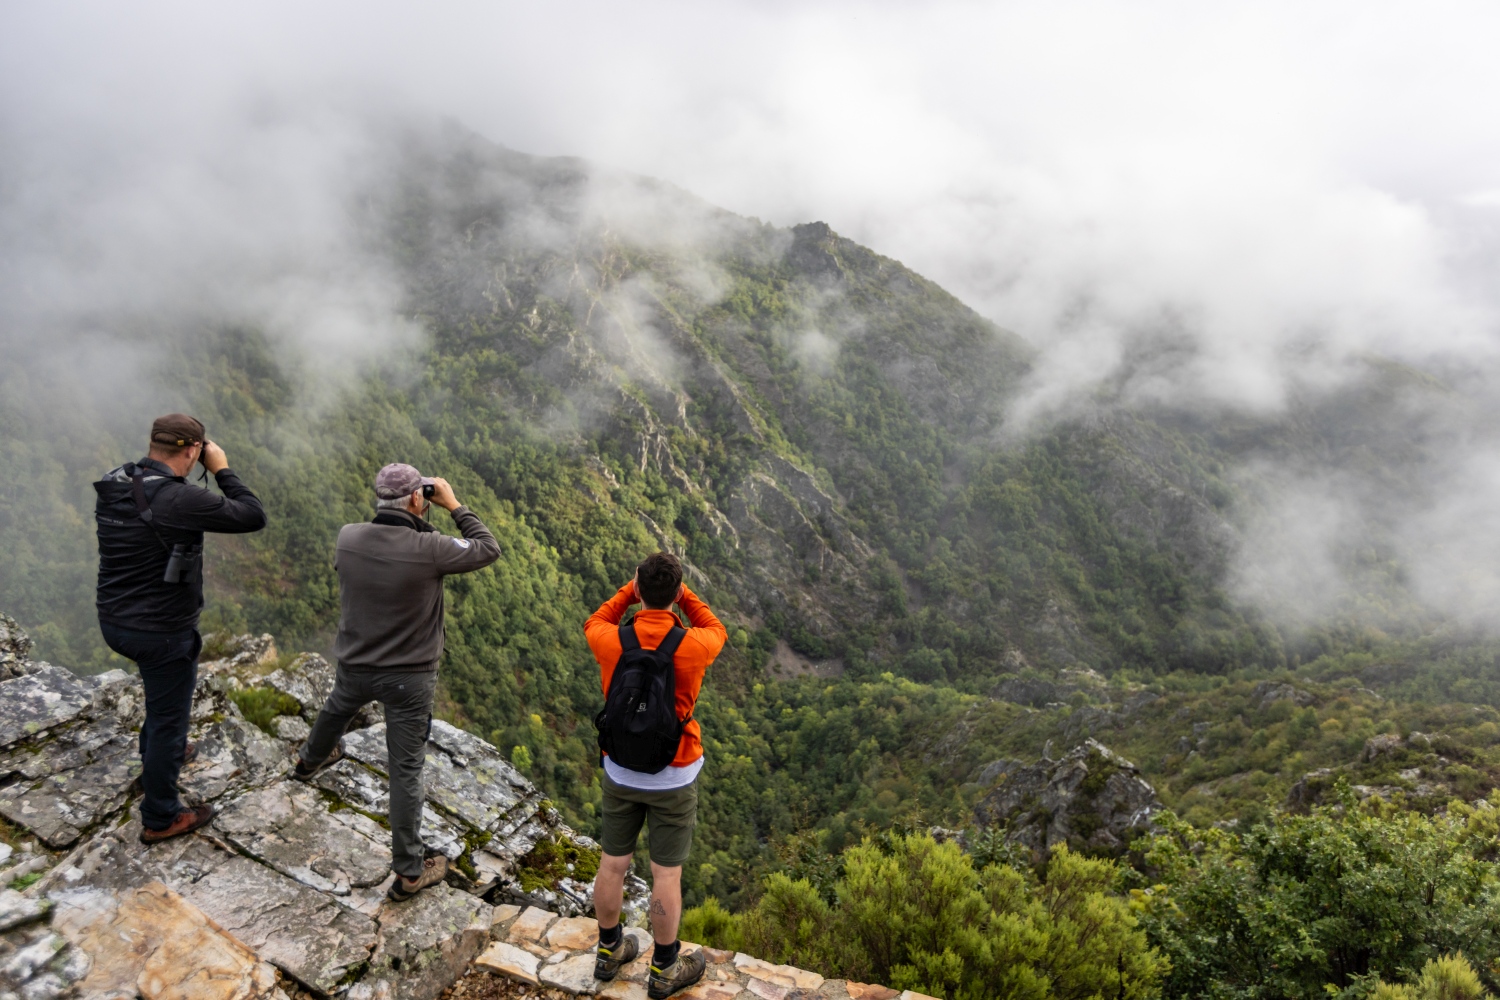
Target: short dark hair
x=659, y=576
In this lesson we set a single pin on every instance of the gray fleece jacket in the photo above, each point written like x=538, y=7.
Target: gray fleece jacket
x=391, y=586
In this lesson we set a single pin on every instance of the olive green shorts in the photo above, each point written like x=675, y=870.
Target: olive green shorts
x=670, y=817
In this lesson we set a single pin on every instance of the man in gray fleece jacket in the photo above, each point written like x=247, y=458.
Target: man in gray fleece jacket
x=390, y=642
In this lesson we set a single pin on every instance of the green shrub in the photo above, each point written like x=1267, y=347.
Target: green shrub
x=1448, y=978
x=916, y=915
x=712, y=925
x=1303, y=905
x=261, y=705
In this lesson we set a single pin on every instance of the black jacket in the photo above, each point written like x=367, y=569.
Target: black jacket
x=133, y=558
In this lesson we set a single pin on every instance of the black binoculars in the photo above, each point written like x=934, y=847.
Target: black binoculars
x=185, y=564
x=427, y=490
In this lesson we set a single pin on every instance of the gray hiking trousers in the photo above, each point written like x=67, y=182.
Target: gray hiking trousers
x=407, y=698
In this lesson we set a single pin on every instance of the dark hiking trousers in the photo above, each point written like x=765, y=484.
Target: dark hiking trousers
x=407, y=698
x=168, y=662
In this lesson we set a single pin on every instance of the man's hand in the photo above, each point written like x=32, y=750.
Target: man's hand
x=213, y=458
x=442, y=495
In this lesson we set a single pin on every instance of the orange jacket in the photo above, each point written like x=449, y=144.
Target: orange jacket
x=698, y=649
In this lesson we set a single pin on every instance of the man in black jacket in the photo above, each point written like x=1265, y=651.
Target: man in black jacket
x=151, y=523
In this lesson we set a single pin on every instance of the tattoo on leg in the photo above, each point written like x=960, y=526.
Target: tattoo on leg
x=657, y=908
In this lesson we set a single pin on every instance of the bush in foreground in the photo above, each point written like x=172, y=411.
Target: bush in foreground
x=917, y=915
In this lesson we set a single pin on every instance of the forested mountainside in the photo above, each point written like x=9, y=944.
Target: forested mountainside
x=913, y=587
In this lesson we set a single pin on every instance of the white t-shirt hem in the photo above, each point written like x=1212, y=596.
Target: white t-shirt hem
x=667, y=778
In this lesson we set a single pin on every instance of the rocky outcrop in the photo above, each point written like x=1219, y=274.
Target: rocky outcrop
x=1267, y=693
x=15, y=648
x=283, y=895
x=1421, y=770
x=148, y=941
x=1092, y=799
x=287, y=885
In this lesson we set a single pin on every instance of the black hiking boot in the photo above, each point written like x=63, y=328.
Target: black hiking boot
x=684, y=972
x=609, y=961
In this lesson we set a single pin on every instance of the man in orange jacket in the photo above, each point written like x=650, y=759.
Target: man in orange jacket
x=666, y=800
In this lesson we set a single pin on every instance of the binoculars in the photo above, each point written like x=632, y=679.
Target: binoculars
x=185, y=565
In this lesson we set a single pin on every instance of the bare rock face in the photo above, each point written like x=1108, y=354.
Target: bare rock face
x=1092, y=799
x=1423, y=770
x=15, y=649
x=150, y=942
x=239, y=652
x=427, y=942
x=288, y=827
x=288, y=874
x=1267, y=693
x=41, y=699
x=309, y=679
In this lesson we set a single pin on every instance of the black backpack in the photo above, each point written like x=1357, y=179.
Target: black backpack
x=638, y=726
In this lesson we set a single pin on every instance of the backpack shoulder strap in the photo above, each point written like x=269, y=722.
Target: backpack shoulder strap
x=628, y=639
x=672, y=641
x=142, y=507
x=138, y=491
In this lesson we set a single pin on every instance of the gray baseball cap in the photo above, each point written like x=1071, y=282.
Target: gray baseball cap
x=398, y=480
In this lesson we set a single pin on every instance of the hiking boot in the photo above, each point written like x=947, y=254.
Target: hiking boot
x=302, y=772
x=684, y=972
x=433, y=870
x=189, y=754
x=186, y=822
x=608, y=961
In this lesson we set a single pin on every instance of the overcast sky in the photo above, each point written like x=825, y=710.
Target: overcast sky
x=1262, y=175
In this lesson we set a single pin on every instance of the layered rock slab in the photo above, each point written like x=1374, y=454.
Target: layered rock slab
x=289, y=827
x=150, y=942
x=307, y=934
x=232, y=755
x=89, y=778
x=37, y=701
x=370, y=793
x=427, y=942
x=479, y=788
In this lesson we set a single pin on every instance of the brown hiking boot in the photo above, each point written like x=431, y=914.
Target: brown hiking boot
x=186, y=822
x=189, y=754
x=684, y=972
x=608, y=961
x=304, y=772
x=433, y=870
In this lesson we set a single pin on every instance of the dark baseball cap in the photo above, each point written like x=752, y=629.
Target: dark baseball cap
x=398, y=480
x=176, y=430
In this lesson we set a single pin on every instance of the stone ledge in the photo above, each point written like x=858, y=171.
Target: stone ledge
x=540, y=948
